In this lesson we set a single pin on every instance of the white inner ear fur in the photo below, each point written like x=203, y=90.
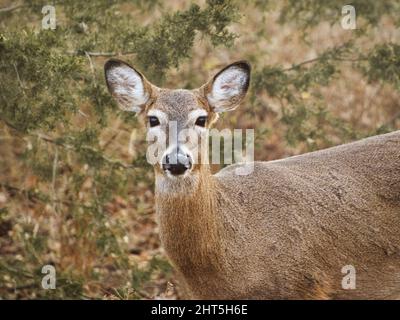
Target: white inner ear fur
x=228, y=84
x=128, y=88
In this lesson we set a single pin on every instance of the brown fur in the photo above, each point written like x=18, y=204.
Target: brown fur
x=286, y=230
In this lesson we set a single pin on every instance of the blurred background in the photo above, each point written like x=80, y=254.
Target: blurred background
x=76, y=191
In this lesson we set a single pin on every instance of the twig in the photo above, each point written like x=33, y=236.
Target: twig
x=91, y=67
x=325, y=56
x=351, y=59
x=53, y=179
x=11, y=8
x=35, y=196
x=70, y=147
x=393, y=119
x=22, y=287
x=99, y=54
x=19, y=78
x=31, y=195
x=110, y=140
x=67, y=146
x=82, y=113
x=105, y=54
x=295, y=66
x=9, y=124
x=93, y=72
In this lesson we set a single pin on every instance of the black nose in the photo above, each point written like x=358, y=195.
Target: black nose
x=176, y=168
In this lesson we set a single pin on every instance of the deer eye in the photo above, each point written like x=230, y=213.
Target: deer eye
x=201, y=121
x=153, y=121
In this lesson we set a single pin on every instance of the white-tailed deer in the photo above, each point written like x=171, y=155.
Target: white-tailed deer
x=287, y=229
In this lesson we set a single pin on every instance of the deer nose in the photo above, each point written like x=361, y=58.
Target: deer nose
x=177, y=163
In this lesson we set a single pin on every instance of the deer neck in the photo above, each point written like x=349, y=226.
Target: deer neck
x=190, y=226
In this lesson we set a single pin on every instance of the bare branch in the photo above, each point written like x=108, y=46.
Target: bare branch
x=11, y=8
x=53, y=180
x=99, y=54
x=71, y=147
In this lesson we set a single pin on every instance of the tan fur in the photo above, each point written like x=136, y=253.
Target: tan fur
x=286, y=230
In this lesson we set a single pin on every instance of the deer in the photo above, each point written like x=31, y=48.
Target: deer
x=288, y=229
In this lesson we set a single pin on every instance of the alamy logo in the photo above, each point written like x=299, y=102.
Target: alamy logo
x=49, y=280
x=49, y=19
x=208, y=146
x=349, y=280
x=348, y=21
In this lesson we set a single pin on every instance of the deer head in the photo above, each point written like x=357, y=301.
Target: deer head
x=177, y=117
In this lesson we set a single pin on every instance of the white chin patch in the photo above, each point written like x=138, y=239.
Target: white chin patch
x=170, y=184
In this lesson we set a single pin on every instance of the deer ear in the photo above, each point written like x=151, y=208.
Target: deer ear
x=228, y=87
x=128, y=86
